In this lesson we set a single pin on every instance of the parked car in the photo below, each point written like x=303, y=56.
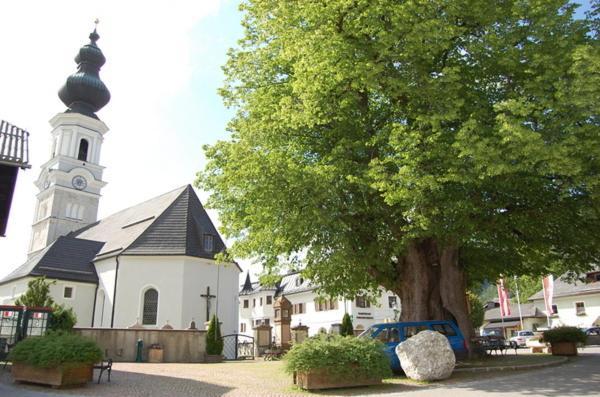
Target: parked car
x=593, y=331
x=521, y=337
x=391, y=334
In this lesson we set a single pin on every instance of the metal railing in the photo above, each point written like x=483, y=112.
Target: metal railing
x=14, y=145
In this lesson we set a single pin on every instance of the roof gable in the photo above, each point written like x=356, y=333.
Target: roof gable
x=179, y=230
x=67, y=258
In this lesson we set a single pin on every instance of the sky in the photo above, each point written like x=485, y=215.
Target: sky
x=163, y=70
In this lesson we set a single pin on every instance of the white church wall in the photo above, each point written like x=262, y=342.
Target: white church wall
x=202, y=273
x=105, y=269
x=139, y=273
x=12, y=290
x=81, y=300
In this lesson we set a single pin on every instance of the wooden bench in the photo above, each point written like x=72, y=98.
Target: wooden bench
x=104, y=365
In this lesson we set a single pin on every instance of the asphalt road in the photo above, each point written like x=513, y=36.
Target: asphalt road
x=581, y=377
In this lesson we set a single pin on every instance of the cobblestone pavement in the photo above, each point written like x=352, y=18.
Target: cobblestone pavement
x=258, y=378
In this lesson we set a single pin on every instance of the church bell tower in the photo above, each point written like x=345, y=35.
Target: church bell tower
x=70, y=182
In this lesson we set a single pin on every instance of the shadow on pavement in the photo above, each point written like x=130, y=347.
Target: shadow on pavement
x=123, y=384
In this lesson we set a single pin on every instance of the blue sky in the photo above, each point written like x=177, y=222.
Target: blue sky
x=163, y=69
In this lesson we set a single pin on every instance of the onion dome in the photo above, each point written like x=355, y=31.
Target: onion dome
x=84, y=92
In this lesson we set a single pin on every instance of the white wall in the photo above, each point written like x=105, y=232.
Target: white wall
x=180, y=281
x=567, y=314
x=81, y=302
x=105, y=269
x=315, y=320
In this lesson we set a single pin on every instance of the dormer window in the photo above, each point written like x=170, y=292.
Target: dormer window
x=208, y=243
x=299, y=281
x=83, y=150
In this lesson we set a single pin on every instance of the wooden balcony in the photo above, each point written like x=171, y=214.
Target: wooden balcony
x=14, y=145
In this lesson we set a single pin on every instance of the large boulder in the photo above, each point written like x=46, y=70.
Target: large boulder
x=426, y=356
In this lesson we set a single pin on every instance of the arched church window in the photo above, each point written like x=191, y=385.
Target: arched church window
x=150, y=307
x=83, y=150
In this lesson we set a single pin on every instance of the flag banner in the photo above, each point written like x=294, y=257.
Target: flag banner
x=503, y=299
x=548, y=286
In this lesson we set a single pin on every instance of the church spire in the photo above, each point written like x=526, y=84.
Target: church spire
x=84, y=92
x=247, y=283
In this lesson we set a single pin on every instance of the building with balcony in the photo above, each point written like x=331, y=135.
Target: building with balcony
x=309, y=309
x=14, y=155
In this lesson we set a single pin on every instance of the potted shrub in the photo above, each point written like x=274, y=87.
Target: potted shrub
x=214, y=342
x=564, y=340
x=332, y=361
x=155, y=353
x=56, y=359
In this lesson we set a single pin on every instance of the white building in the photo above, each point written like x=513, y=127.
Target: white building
x=575, y=303
x=256, y=306
x=150, y=264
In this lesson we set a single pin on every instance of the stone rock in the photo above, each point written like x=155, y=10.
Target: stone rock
x=426, y=356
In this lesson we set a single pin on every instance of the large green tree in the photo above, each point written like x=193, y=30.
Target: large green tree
x=420, y=145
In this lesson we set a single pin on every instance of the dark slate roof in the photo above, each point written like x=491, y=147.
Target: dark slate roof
x=564, y=287
x=528, y=310
x=285, y=286
x=173, y=223
x=67, y=258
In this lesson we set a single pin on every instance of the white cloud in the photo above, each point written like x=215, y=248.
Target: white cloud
x=148, y=46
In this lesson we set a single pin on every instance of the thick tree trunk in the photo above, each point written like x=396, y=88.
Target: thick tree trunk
x=432, y=285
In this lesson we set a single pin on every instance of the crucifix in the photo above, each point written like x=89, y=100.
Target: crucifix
x=208, y=297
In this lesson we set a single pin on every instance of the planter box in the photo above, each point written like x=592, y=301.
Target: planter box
x=320, y=379
x=213, y=358
x=564, y=349
x=55, y=377
x=155, y=355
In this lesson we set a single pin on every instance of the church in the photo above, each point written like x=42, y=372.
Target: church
x=151, y=265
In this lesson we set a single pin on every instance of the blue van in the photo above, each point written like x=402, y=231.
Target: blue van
x=390, y=334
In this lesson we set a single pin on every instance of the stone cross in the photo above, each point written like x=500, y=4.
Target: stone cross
x=208, y=297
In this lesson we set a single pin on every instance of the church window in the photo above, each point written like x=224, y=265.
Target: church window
x=246, y=303
x=80, y=212
x=208, y=243
x=68, y=293
x=254, y=302
x=242, y=327
x=260, y=302
x=150, y=307
x=269, y=300
x=83, y=150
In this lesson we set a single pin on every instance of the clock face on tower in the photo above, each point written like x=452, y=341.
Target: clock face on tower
x=79, y=182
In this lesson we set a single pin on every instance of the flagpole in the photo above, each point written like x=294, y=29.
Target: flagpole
x=519, y=303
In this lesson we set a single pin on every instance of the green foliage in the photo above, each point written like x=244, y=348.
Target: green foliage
x=63, y=319
x=341, y=356
x=56, y=349
x=346, y=329
x=37, y=294
x=214, y=342
x=477, y=311
x=564, y=334
x=363, y=126
x=528, y=286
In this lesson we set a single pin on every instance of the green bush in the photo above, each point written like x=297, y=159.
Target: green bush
x=564, y=334
x=341, y=356
x=56, y=349
x=63, y=319
x=214, y=342
x=347, y=329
